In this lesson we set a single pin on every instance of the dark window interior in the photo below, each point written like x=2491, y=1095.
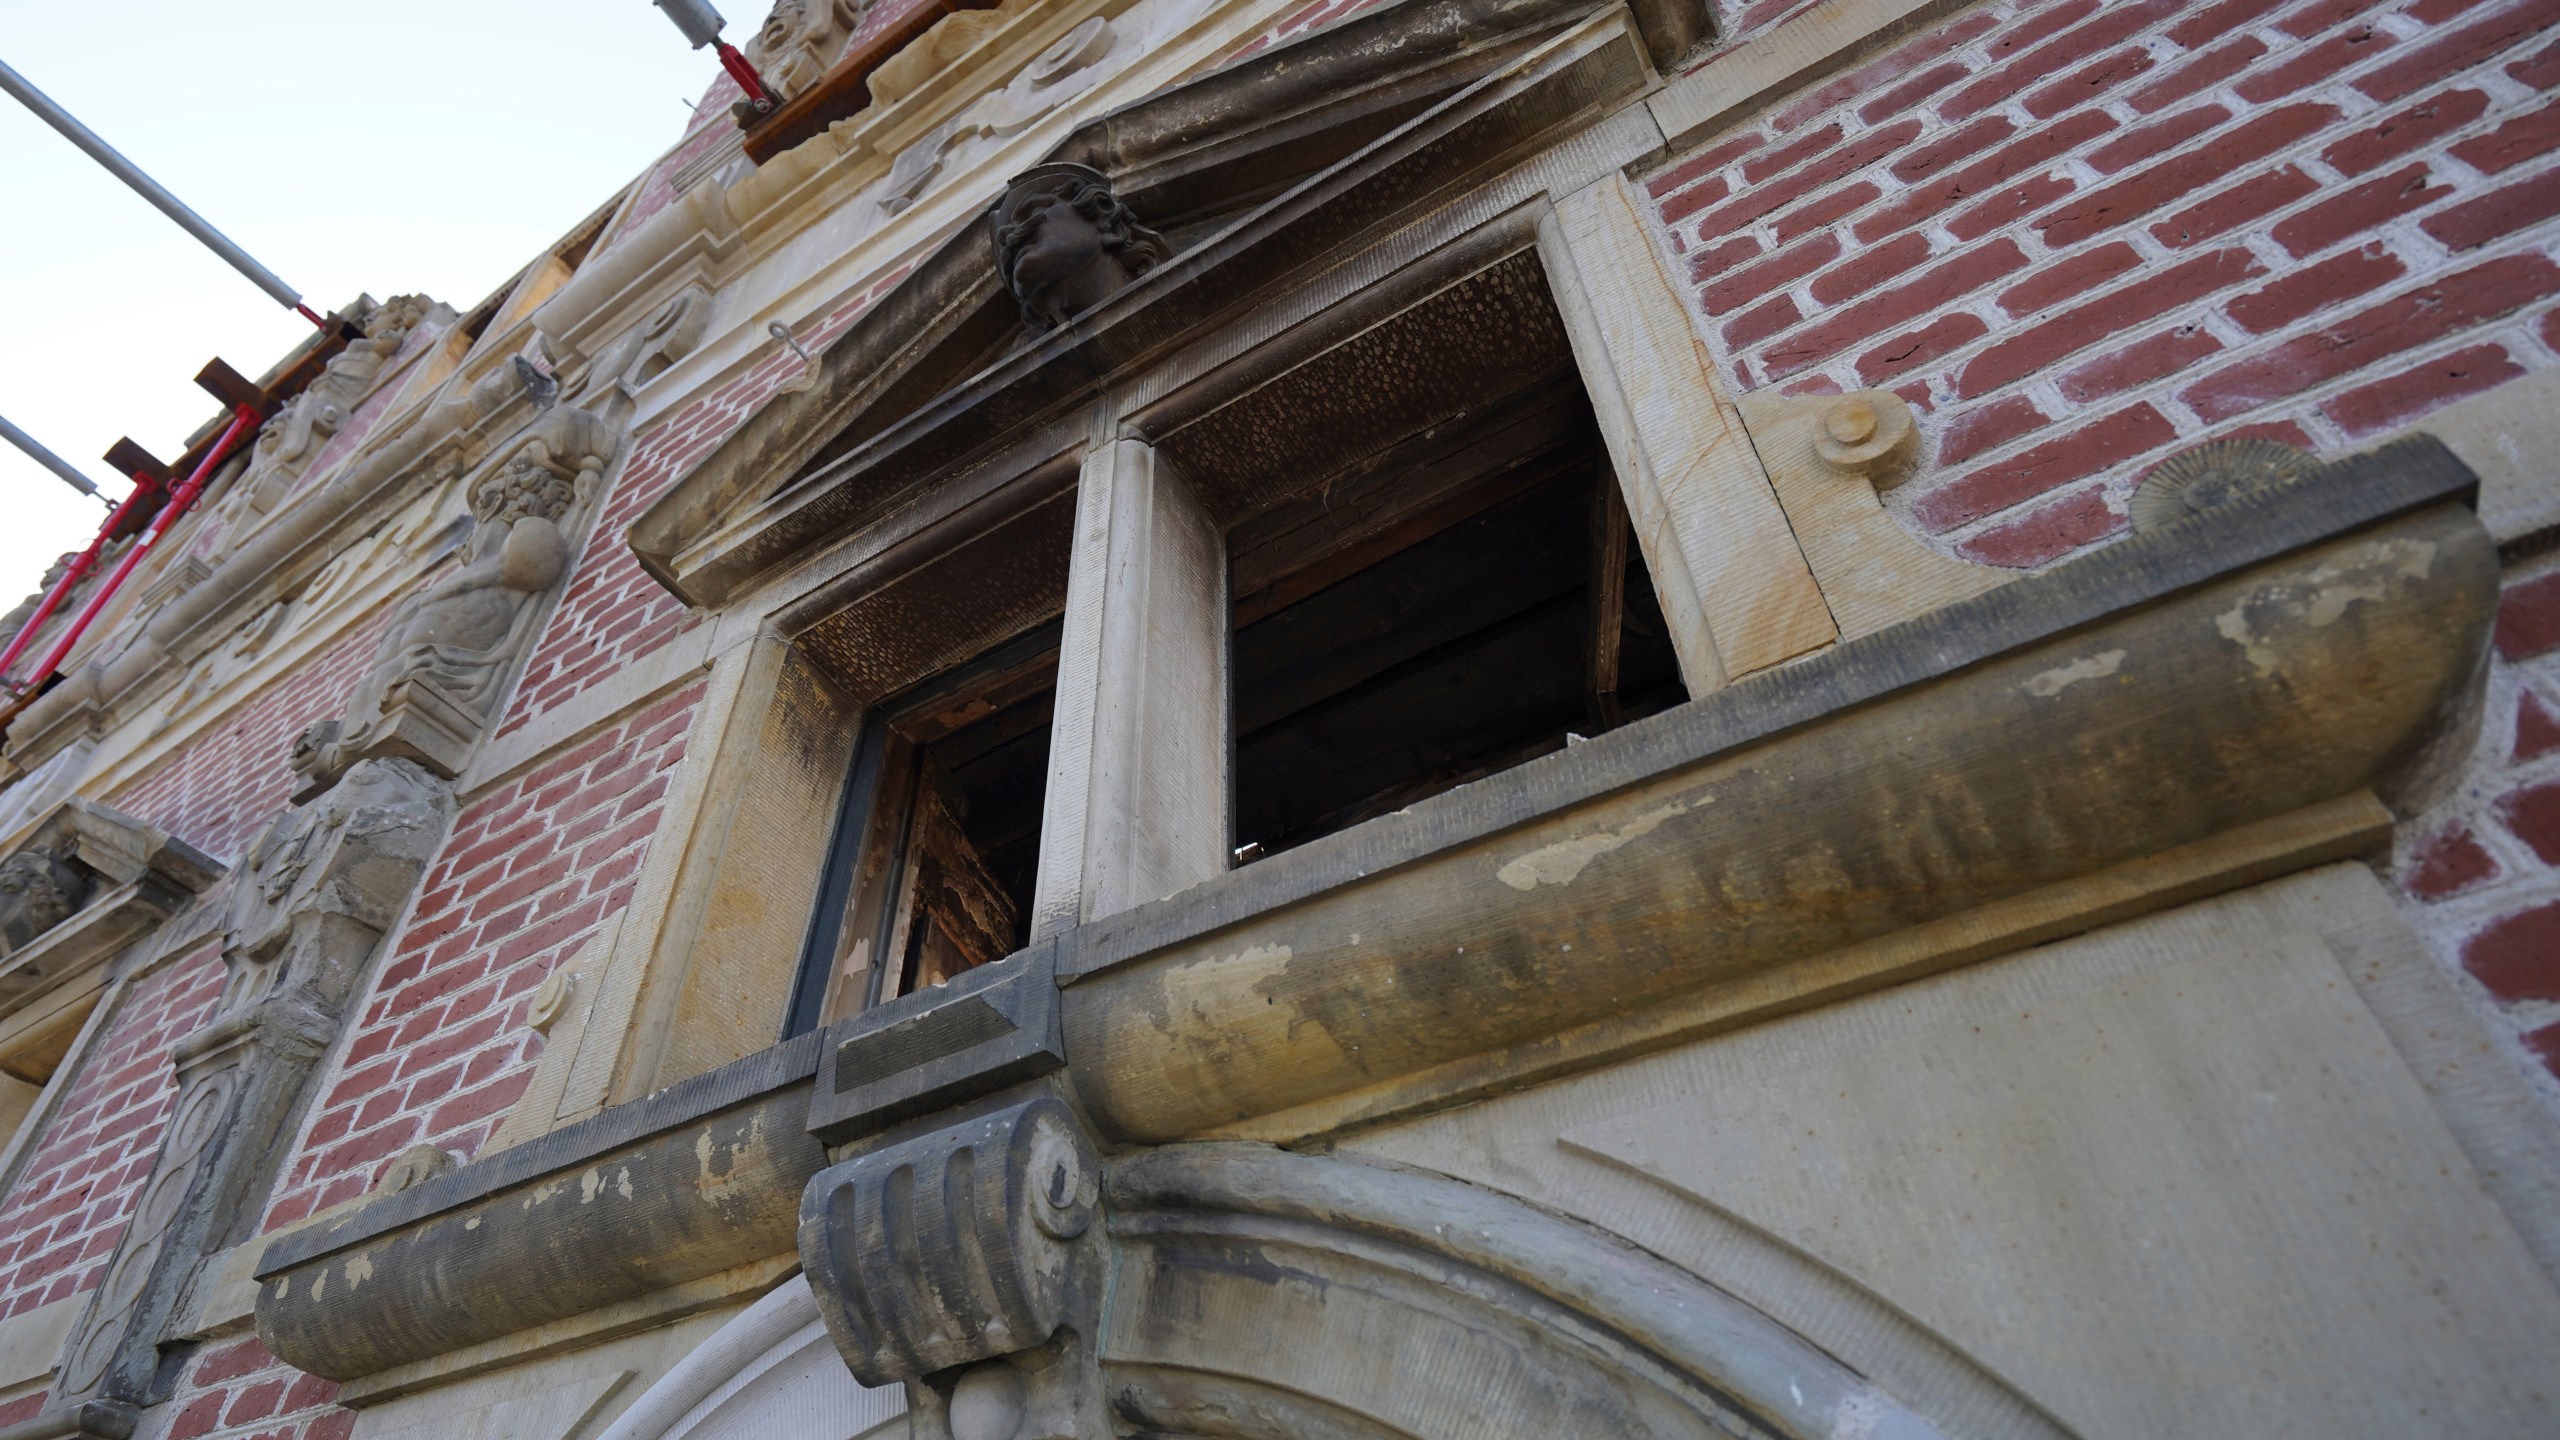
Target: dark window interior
x=1455, y=610
x=939, y=840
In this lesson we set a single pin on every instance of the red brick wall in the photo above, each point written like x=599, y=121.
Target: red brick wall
x=219, y=789
x=236, y=1388
x=62, y=1218
x=2482, y=868
x=612, y=613
x=2081, y=237
x=440, y=1049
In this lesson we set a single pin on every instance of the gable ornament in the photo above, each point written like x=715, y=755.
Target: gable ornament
x=1065, y=243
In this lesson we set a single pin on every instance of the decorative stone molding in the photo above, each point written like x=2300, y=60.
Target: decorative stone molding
x=1065, y=243
x=1827, y=457
x=443, y=663
x=306, y=911
x=966, y=1263
x=86, y=882
x=1072, y=64
x=800, y=41
x=297, y=433
x=2211, y=476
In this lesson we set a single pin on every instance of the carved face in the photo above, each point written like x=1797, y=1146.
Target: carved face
x=37, y=892
x=1065, y=243
x=529, y=484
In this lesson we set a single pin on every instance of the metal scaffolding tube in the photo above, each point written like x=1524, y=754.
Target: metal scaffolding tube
x=148, y=188
x=50, y=461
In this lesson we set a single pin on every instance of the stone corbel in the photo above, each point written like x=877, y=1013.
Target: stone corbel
x=968, y=1263
x=1827, y=457
x=84, y=885
x=305, y=915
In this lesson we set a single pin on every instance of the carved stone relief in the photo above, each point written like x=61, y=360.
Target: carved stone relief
x=1070, y=66
x=305, y=913
x=449, y=650
x=297, y=433
x=85, y=882
x=1065, y=243
x=801, y=40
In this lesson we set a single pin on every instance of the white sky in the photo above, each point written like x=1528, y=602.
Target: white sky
x=350, y=145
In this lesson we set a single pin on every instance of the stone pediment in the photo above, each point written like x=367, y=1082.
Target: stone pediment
x=87, y=881
x=1269, y=167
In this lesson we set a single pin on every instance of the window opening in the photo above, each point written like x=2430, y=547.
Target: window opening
x=1438, y=620
x=937, y=840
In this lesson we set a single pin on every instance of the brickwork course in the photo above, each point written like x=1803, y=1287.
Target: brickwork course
x=2079, y=236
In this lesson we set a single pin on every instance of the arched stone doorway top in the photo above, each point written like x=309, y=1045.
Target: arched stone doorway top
x=771, y=1373
x=1261, y=1294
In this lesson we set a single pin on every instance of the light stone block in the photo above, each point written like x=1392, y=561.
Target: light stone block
x=1137, y=802
x=31, y=1340
x=562, y=1397
x=2177, y=1176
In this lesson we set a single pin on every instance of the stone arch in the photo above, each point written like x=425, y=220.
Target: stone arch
x=1260, y=1294
x=770, y=1372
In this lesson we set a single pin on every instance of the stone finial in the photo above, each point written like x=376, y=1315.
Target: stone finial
x=1065, y=243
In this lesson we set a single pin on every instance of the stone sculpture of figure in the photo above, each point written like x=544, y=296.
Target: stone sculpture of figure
x=38, y=890
x=294, y=437
x=802, y=40
x=447, y=647
x=1065, y=243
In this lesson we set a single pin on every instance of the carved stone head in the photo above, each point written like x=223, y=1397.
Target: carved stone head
x=38, y=890
x=529, y=483
x=1065, y=243
x=802, y=39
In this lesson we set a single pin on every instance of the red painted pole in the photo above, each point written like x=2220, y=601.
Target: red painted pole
x=143, y=489
x=244, y=423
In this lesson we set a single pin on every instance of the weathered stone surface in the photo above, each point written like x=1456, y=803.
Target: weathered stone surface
x=306, y=911
x=1688, y=857
x=1065, y=243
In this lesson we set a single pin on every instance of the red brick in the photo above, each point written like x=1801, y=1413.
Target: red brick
x=2049, y=534
x=308, y=1392
x=474, y=1105
x=1871, y=268
x=2182, y=173
x=1988, y=427
x=1755, y=326
x=2529, y=618
x=1769, y=164
x=2138, y=364
x=2083, y=452
x=2311, y=19
x=1826, y=169
x=199, y=1416
x=2219, y=21
x=2406, y=130
x=2545, y=1047
x=2251, y=199
x=2112, y=25
x=1912, y=91
x=2198, y=75
x=2447, y=863
x=2309, y=67
x=2498, y=213
x=1956, y=144
x=220, y=1363
x=2518, y=957
x=2090, y=84
x=2459, y=49
x=1823, y=211
x=2030, y=152
x=2402, y=323
x=1694, y=199
x=253, y=1402
x=2303, y=293
x=2388, y=404
x=2014, y=203
x=2526, y=137
x=2360, y=210
x=2141, y=302
x=2537, y=729
x=1952, y=278
x=2541, y=69
x=1931, y=341
x=1747, y=285
x=336, y=1425
x=2532, y=815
